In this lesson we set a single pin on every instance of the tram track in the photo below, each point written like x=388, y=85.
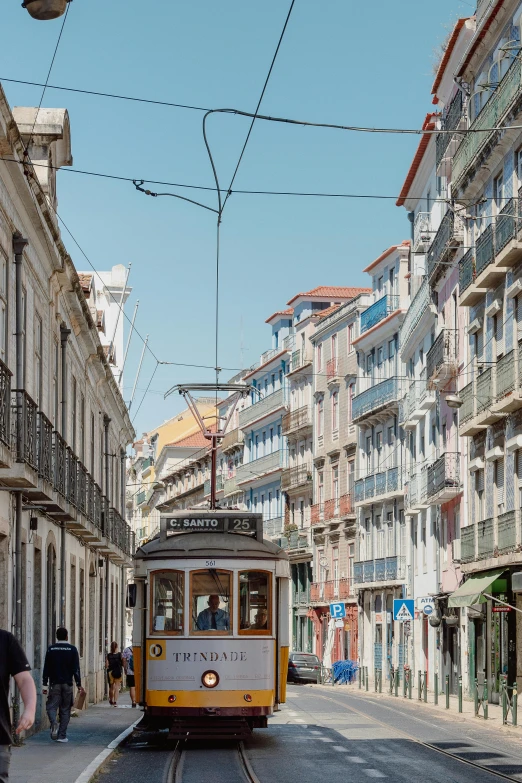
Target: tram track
x=483, y=767
x=231, y=760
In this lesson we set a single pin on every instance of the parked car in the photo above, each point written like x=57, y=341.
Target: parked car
x=303, y=667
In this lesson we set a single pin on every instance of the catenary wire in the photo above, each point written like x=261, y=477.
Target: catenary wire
x=145, y=392
x=265, y=85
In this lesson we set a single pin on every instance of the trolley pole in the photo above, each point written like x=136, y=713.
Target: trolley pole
x=213, y=461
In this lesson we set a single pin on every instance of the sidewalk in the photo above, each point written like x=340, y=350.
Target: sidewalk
x=40, y=760
x=468, y=706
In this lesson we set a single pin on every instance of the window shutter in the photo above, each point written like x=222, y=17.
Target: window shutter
x=500, y=480
x=480, y=344
x=499, y=333
x=519, y=464
x=519, y=317
x=480, y=480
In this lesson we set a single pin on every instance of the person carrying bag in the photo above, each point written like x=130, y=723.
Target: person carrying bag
x=114, y=666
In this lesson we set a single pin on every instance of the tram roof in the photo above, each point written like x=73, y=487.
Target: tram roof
x=186, y=545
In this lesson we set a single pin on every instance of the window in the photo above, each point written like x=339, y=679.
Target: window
x=3, y=308
x=351, y=476
x=390, y=538
x=82, y=428
x=167, y=614
x=334, y=346
x=38, y=346
x=335, y=568
x=369, y=363
x=74, y=394
x=499, y=483
x=320, y=416
x=368, y=538
x=444, y=537
x=56, y=377
x=210, y=594
x=351, y=560
x=335, y=411
x=479, y=344
x=254, y=602
x=368, y=453
x=351, y=395
x=93, y=430
x=498, y=191
x=320, y=488
x=335, y=488
x=479, y=494
x=391, y=433
x=498, y=328
x=82, y=612
x=518, y=166
x=319, y=357
x=24, y=334
x=379, y=537
x=351, y=335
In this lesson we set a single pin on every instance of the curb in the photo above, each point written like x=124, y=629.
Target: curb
x=94, y=766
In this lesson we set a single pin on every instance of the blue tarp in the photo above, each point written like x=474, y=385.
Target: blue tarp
x=344, y=671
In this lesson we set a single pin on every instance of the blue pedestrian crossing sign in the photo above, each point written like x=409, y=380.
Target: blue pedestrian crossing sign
x=337, y=611
x=403, y=609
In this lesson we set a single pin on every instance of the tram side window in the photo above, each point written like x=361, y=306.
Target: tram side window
x=254, y=602
x=167, y=614
x=211, y=599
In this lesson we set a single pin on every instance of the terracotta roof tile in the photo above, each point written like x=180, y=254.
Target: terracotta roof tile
x=197, y=439
x=328, y=311
x=290, y=311
x=383, y=255
x=428, y=125
x=447, y=54
x=331, y=291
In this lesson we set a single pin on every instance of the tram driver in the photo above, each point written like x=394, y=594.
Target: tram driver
x=213, y=618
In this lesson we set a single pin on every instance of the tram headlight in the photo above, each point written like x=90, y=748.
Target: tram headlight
x=210, y=679
x=247, y=697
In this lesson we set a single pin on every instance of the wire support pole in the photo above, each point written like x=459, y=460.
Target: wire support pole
x=139, y=370
x=128, y=341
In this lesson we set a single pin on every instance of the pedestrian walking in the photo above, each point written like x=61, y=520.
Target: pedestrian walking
x=13, y=663
x=128, y=664
x=62, y=665
x=114, y=666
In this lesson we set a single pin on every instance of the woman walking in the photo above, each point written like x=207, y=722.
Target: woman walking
x=114, y=666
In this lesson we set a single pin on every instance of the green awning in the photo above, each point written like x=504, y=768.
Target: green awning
x=471, y=591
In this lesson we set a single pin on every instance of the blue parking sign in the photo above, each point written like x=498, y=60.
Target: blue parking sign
x=337, y=611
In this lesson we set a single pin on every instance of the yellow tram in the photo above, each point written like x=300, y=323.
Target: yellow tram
x=211, y=631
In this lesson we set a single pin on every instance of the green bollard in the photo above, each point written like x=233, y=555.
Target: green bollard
x=397, y=681
x=380, y=682
x=504, y=703
x=419, y=685
x=447, y=692
x=360, y=677
x=404, y=682
x=485, y=697
x=392, y=679
x=410, y=684
x=425, y=687
x=514, y=704
x=367, y=682
x=476, y=697
x=460, y=693
x=436, y=690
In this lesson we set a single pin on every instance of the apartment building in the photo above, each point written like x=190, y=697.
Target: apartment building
x=380, y=561
x=334, y=447
x=486, y=177
x=65, y=548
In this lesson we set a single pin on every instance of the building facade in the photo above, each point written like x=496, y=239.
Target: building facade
x=65, y=547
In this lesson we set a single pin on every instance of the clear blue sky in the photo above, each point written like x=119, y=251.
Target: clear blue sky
x=367, y=63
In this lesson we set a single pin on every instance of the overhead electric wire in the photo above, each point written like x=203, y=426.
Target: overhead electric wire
x=146, y=390
x=265, y=85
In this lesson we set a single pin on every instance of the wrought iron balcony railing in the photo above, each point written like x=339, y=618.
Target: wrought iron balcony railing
x=416, y=310
x=5, y=405
x=491, y=116
x=273, y=527
x=230, y=486
x=422, y=232
x=450, y=121
x=441, y=358
x=301, y=359
x=443, y=476
x=45, y=448
x=507, y=532
x=250, y=471
x=384, y=569
x=375, y=398
x=485, y=538
x=447, y=240
x=467, y=272
x=219, y=484
x=25, y=428
x=297, y=420
x=378, y=311
x=506, y=381
x=263, y=407
x=381, y=483
x=467, y=545
x=332, y=369
x=297, y=476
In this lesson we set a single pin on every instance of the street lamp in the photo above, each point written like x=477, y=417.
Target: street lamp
x=45, y=9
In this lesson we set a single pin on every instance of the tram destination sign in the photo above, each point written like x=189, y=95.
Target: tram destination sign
x=211, y=522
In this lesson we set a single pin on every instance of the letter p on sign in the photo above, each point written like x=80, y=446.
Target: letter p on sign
x=337, y=611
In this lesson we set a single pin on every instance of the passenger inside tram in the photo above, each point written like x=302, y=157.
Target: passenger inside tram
x=254, y=594
x=211, y=590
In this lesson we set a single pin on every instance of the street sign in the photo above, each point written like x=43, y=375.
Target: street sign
x=403, y=609
x=337, y=611
x=499, y=608
x=426, y=604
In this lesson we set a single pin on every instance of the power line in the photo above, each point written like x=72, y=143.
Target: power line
x=259, y=101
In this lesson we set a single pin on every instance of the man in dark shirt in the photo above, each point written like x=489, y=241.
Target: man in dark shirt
x=13, y=663
x=62, y=663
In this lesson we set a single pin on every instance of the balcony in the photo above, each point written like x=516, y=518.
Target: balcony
x=467, y=544
x=422, y=233
x=485, y=538
x=301, y=597
x=146, y=464
x=417, y=490
x=325, y=512
x=332, y=370
x=378, y=311
x=298, y=540
x=297, y=421
x=446, y=242
x=230, y=486
x=251, y=471
x=262, y=408
x=346, y=507
x=300, y=359
x=384, y=569
x=232, y=440
x=385, y=484
x=441, y=359
x=507, y=532
x=443, y=478
x=419, y=307
x=491, y=395
x=298, y=476
x=376, y=399
x=418, y=400
x=475, y=150
x=273, y=527
x=507, y=392
x=446, y=143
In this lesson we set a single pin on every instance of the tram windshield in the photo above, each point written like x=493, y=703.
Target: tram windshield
x=211, y=601
x=254, y=602
x=168, y=602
